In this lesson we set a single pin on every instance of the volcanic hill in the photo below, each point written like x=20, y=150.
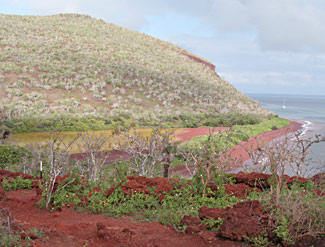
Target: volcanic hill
x=77, y=66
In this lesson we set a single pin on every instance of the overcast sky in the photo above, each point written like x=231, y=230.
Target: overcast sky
x=260, y=46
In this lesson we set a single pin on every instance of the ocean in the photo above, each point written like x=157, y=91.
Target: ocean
x=307, y=109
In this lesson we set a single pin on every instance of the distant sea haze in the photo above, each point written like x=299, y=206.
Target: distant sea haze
x=307, y=109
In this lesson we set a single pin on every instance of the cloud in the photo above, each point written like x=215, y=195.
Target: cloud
x=249, y=69
x=281, y=25
x=279, y=43
x=292, y=25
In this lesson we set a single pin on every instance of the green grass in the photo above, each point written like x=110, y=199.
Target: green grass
x=238, y=134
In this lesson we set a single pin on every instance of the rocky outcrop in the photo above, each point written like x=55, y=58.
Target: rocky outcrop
x=245, y=219
x=9, y=174
x=199, y=60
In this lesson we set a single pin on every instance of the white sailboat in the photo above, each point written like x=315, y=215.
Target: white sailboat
x=284, y=103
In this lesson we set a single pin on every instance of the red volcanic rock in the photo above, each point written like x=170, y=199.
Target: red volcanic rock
x=59, y=178
x=239, y=190
x=243, y=219
x=133, y=186
x=35, y=184
x=10, y=174
x=142, y=184
x=318, y=178
x=193, y=224
x=190, y=220
x=290, y=180
x=96, y=189
x=30, y=235
x=199, y=60
x=260, y=180
x=210, y=213
x=110, y=191
x=253, y=179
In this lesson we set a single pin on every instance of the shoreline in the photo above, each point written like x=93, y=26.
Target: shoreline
x=238, y=152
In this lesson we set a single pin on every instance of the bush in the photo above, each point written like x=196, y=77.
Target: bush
x=16, y=183
x=299, y=213
x=274, y=127
x=11, y=155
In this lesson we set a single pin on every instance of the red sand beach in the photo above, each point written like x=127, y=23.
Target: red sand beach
x=238, y=153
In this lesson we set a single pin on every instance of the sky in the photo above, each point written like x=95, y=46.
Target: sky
x=259, y=46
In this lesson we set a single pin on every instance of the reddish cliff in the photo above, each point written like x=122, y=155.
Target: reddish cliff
x=199, y=60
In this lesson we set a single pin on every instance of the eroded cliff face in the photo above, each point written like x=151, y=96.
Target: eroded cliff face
x=199, y=60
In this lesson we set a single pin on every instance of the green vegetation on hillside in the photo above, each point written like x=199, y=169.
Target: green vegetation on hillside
x=74, y=66
x=66, y=123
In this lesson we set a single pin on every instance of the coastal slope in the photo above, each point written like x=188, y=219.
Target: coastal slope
x=77, y=66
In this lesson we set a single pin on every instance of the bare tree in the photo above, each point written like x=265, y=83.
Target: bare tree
x=148, y=154
x=302, y=148
x=58, y=157
x=276, y=157
x=94, y=151
x=209, y=159
x=31, y=163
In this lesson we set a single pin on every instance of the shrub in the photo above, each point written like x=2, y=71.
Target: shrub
x=299, y=213
x=11, y=155
x=16, y=183
x=274, y=127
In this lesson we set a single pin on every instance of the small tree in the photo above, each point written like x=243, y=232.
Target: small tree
x=94, y=151
x=302, y=148
x=150, y=156
x=13, y=157
x=277, y=157
x=58, y=157
x=209, y=160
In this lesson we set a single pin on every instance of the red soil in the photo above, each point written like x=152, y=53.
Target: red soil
x=70, y=228
x=189, y=133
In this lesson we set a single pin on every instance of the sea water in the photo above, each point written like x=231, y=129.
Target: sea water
x=307, y=109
